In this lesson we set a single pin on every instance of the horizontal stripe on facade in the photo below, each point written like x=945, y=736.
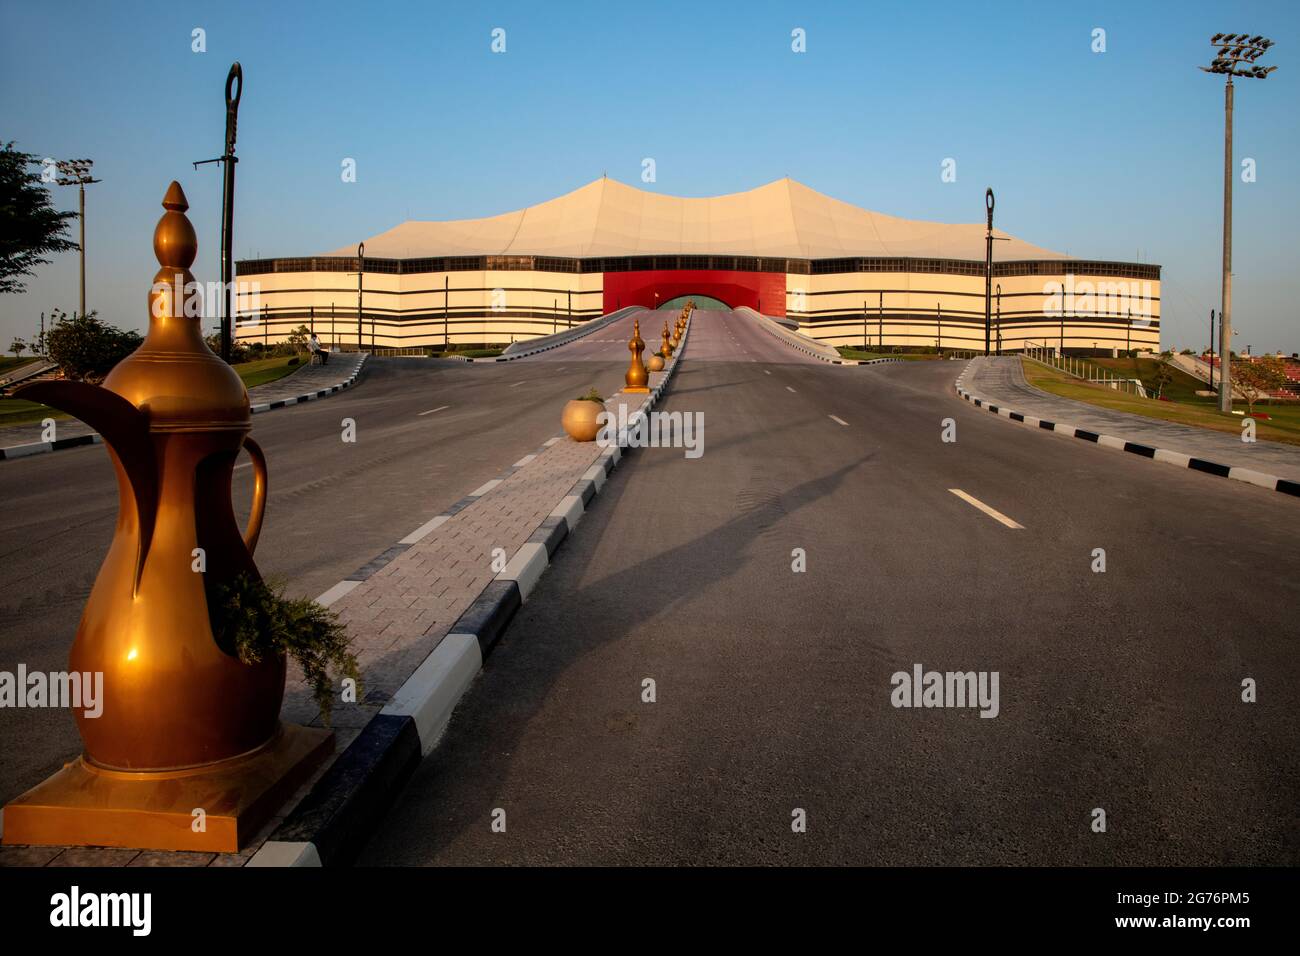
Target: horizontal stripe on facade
x=717, y=263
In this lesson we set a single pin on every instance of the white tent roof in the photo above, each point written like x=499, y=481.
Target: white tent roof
x=783, y=219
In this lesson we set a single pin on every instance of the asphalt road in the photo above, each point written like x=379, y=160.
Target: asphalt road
x=1118, y=690
x=428, y=433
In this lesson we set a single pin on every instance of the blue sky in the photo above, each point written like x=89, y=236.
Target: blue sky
x=1103, y=155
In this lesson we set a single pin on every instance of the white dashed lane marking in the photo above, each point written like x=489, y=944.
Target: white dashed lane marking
x=789, y=389
x=991, y=512
x=432, y=410
x=836, y=418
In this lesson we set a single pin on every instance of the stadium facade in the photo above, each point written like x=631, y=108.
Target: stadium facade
x=841, y=274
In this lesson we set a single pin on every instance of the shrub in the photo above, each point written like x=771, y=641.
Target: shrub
x=86, y=348
x=256, y=619
x=591, y=396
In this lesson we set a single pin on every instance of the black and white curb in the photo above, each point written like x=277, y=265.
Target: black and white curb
x=312, y=396
x=336, y=817
x=41, y=447
x=781, y=336
x=1176, y=458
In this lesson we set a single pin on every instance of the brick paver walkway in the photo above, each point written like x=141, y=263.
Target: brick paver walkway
x=398, y=615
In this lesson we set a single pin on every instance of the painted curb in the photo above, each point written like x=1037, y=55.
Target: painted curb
x=330, y=826
x=1177, y=458
x=41, y=447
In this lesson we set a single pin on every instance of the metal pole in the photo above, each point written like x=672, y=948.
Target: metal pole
x=999, y=318
x=866, y=340
x=361, y=272
x=446, y=293
x=881, y=330
x=1210, y=357
x=988, y=268
x=568, y=320
x=938, y=320
x=82, y=190
x=1225, y=309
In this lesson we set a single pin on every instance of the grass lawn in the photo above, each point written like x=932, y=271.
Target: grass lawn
x=467, y=353
x=261, y=371
x=1284, y=426
x=16, y=411
x=8, y=363
x=848, y=352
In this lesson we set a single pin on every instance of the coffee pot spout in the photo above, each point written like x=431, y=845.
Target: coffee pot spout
x=125, y=429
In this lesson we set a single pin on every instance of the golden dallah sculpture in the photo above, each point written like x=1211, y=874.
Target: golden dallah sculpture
x=186, y=726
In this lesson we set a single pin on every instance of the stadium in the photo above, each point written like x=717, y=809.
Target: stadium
x=838, y=273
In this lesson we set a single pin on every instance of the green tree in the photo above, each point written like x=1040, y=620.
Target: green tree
x=1164, y=376
x=238, y=350
x=298, y=338
x=31, y=229
x=1256, y=378
x=18, y=347
x=86, y=348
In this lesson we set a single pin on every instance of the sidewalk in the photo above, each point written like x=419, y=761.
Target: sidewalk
x=1000, y=381
x=309, y=382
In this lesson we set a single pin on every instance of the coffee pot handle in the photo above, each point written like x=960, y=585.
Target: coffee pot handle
x=258, y=510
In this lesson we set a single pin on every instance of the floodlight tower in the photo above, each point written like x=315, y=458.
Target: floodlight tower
x=76, y=172
x=1236, y=55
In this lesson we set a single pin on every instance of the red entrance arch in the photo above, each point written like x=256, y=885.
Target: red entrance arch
x=764, y=291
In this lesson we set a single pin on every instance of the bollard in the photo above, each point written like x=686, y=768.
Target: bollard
x=637, y=376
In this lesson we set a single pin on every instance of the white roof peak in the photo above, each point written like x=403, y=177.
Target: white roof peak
x=783, y=218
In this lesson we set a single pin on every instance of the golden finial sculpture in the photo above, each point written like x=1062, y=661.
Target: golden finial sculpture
x=637, y=376
x=184, y=723
x=667, y=348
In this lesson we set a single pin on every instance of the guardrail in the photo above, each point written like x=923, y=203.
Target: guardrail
x=1083, y=370
x=23, y=373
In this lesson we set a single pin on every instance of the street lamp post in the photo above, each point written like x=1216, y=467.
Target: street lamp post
x=361, y=274
x=989, y=239
x=1211, y=354
x=234, y=89
x=999, y=295
x=880, y=331
x=1236, y=56
x=76, y=172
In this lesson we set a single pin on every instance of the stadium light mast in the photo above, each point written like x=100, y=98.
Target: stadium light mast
x=1236, y=55
x=76, y=172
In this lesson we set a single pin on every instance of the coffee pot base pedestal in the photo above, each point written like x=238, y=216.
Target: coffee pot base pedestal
x=86, y=805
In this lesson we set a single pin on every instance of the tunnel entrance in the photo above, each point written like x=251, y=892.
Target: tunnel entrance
x=701, y=302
